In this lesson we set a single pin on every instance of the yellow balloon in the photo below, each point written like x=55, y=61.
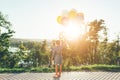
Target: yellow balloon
x=59, y=19
x=72, y=14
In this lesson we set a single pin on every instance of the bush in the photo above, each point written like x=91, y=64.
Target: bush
x=12, y=70
x=99, y=67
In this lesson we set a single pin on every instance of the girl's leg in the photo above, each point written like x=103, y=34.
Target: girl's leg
x=56, y=69
x=60, y=70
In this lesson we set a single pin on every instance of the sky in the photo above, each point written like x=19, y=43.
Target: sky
x=36, y=19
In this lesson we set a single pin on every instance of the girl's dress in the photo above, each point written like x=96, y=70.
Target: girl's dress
x=57, y=54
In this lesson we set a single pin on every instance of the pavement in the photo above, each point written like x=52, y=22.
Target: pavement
x=64, y=76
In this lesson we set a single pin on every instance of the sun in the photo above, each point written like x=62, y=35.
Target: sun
x=73, y=31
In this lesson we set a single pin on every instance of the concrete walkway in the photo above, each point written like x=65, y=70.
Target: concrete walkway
x=64, y=76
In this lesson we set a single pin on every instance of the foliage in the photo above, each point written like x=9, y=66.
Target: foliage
x=91, y=48
x=4, y=41
x=95, y=67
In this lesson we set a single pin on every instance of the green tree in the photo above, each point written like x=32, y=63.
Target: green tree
x=4, y=40
x=36, y=54
x=102, y=47
x=93, y=36
x=45, y=52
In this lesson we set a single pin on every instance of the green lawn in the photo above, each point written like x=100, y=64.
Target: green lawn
x=99, y=67
x=112, y=68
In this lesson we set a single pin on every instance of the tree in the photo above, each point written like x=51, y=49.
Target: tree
x=93, y=36
x=45, y=53
x=4, y=40
x=103, y=47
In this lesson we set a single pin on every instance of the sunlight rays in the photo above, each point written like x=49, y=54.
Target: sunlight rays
x=73, y=31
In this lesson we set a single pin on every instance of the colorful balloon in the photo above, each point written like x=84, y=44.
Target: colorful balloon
x=72, y=14
x=59, y=19
x=65, y=13
x=80, y=16
x=65, y=20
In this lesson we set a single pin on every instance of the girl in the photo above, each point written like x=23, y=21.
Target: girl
x=57, y=55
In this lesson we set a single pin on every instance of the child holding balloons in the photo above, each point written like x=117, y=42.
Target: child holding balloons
x=57, y=56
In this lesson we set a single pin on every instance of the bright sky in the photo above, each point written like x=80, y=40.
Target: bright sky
x=36, y=19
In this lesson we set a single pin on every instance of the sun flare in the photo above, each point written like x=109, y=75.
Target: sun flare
x=72, y=31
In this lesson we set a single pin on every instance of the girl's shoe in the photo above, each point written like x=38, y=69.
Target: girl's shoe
x=56, y=76
x=59, y=75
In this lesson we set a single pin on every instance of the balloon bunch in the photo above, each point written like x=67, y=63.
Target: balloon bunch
x=71, y=15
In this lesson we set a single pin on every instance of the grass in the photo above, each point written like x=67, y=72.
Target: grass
x=13, y=70
x=21, y=70
x=96, y=67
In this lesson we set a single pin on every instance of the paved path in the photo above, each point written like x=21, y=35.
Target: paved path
x=64, y=76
